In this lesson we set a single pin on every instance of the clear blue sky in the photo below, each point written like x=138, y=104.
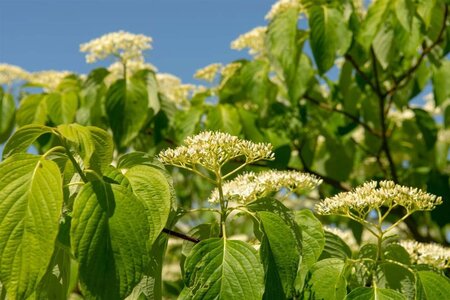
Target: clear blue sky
x=187, y=34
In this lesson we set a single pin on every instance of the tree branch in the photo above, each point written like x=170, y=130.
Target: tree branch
x=181, y=235
x=361, y=72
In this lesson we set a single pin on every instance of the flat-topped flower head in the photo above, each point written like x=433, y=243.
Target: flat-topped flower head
x=372, y=195
x=10, y=73
x=212, y=150
x=123, y=45
x=208, y=73
x=282, y=6
x=253, y=40
x=427, y=253
x=250, y=186
x=49, y=79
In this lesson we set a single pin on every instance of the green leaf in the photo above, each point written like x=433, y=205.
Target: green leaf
x=327, y=280
x=187, y=121
x=427, y=127
x=396, y=277
x=109, y=237
x=225, y=118
x=280, y=253
x=7, y=115
x=150, y=185
x=313, y=242
x=32, y=110
x=201, y=232
x=404, y=10
x=225, y=269
x=23, y=138
x=126, y=107
x=31, y=200
x=61, y=108
x=93, y=144
x=91, y=111
x=397, y=253
x=376, y=16
x=329, y=35
x=335, y=247
x=432, y=286
x=441, y=83
x=365, y=293
x=383, y=46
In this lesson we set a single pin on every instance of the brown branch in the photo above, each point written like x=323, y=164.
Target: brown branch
x=343, y=112
x=398, y=82
x=181, y=235
x=361, y=72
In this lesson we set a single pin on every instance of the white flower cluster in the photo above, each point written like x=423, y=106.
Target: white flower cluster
x=212, y=150
x=49, y=79
x=367, y=197
x=10, y=73
x=230, y=69
x=123, y=45
x=172, y=87
x=282, y=6
x=251, y=186
x=209, y=72
x=254, y=40
x=427, y=253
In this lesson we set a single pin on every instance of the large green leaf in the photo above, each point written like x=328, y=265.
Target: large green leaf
x=427, y=127
x=93, y=144
x=383, y=45
x=335, y=247
x=223, y=269
x=31, y=199
x=280, y=253
x=396, y=277
x=432, y=286
x=150, y=185
x=313, y=242
x=23, y=138
x=32, y=110
x=109, y=237
x=376, y=16
x=327, y=279
x=329, y=35
x=126, y=107
x=364, y=293
x=225, y=118
x=7, y=115
x=62, y=107
x=91, y=110
x=441, y=83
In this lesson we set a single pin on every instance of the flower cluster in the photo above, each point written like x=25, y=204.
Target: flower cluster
x=49, y=79
x=208, y=73
x=254, y=40
x=230, y=69
x=213, y=149
x=251, y=186
x=430, y=254
x=10, y=73
x=282, y=6
x=371, y=195
x=172, y=87
x=123, y=45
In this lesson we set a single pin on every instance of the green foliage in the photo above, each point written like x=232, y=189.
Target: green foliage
x=336, y=88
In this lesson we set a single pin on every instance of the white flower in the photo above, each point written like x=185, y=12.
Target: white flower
x=282, y=6
x=172, y=87
x=251, y=186
x=49, y=79
x=254, y=40
x=213, y=149
x=367, y=197
x=123, y=45
x=209, y=72
x=10, y=73
x=430, y=254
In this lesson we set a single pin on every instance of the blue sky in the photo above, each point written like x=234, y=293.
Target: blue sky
x=187, y=34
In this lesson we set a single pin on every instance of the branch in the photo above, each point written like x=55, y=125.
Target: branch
x=407, y=75
x=181, y=236
x=343, y=112
x=361, y=72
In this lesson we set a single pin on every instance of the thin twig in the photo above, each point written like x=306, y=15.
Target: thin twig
x=360, y=72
